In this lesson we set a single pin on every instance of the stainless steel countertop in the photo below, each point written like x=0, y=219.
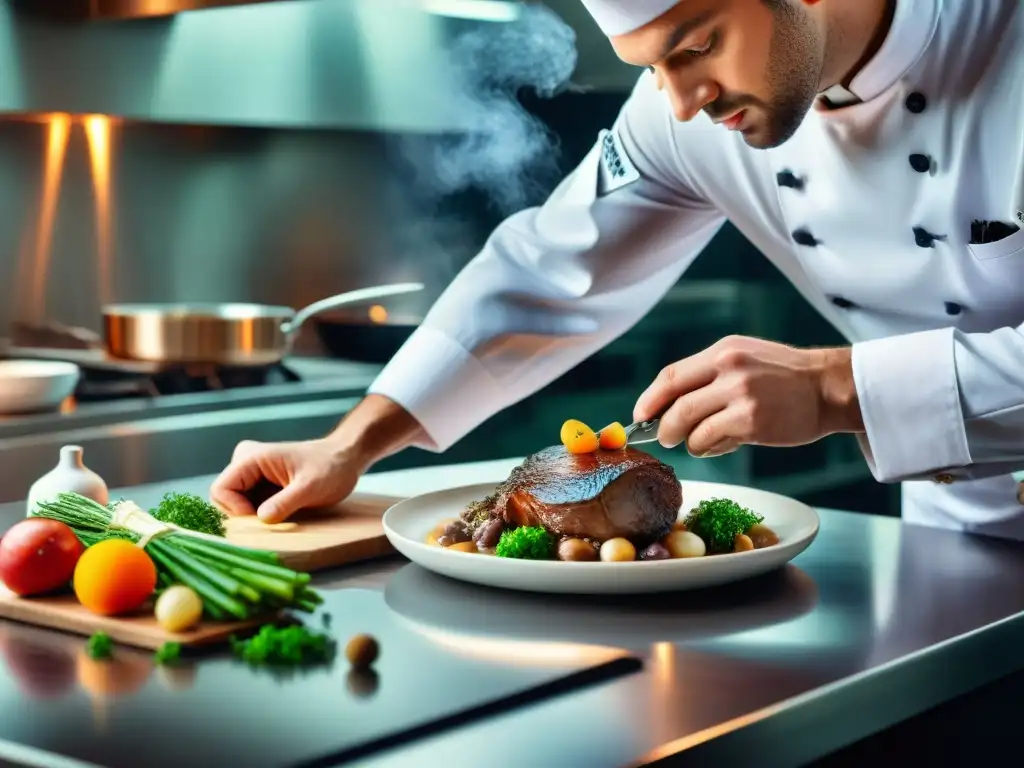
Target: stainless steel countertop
x=875, y=622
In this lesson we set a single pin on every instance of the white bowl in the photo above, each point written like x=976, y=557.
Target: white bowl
x=28, y=386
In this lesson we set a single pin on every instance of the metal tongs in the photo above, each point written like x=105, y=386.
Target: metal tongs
x=642, y=432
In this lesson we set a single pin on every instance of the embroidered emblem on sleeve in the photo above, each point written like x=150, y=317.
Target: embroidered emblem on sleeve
x=616, y=170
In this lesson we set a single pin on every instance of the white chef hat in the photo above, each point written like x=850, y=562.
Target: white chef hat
x=618, y=17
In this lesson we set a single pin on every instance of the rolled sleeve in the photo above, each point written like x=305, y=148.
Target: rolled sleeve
x=910, y=403
x=445, y=388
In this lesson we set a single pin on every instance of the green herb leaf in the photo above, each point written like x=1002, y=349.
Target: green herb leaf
x=719, y=521
x=191, y=512
x=100, y=646
x=294, y=645
x=168, y=653
x=526, y=543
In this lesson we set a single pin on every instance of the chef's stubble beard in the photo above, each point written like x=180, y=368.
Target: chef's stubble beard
x=794, y=72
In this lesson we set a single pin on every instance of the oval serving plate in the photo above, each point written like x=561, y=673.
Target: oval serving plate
x=408, y=523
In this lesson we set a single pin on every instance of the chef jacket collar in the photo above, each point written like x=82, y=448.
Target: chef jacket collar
x=913, y=26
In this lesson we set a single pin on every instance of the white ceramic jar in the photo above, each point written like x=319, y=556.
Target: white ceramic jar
x=69, y=476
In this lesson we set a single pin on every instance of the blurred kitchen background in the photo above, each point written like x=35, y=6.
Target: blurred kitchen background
x=280, y=152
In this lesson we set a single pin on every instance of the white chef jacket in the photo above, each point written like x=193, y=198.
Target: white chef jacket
x=867, y=210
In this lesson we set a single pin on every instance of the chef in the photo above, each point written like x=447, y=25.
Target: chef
x=873, y=150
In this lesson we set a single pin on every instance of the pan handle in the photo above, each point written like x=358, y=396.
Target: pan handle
x=290, y=327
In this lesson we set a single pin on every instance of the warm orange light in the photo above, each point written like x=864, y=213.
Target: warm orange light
x=97, y=131
x=58, y=130
x=378, y=314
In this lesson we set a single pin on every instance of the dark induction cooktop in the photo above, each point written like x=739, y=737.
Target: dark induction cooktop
x=214, y=710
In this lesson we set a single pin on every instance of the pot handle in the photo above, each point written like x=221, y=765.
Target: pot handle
x=291, y=327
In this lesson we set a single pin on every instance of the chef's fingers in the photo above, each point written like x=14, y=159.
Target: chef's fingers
x=688, y=411
x=228, y=490
x=718, y=434
x=231, y=502
x=245, y=449
x=285, y=502
x=674, y=381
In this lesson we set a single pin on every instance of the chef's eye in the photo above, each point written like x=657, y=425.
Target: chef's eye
x=706, y=49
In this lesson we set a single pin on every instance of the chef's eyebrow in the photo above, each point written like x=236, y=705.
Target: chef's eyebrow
x=683, y=29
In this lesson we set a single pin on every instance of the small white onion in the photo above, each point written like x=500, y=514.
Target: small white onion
x=178, y=608
x=682, y=544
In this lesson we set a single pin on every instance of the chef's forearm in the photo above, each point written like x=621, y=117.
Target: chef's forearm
x=375, y=429
x=841, y=406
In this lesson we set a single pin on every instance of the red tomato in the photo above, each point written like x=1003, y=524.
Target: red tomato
x=38, y=555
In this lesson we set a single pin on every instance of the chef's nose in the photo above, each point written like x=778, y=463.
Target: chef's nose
x=689, y=96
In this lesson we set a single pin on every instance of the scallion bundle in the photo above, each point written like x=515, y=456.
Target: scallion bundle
x=233, y=582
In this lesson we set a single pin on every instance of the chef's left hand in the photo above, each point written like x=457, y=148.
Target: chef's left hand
x=749, y=391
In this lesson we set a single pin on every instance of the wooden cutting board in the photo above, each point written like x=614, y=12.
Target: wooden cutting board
x=64, y=612
x=314, y=540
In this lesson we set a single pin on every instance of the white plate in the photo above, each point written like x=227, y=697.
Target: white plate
x=408, y=523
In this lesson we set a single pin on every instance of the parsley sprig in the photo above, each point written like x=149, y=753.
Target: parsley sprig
x=719, y=522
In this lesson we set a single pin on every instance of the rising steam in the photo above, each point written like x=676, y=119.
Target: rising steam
x=507, y=153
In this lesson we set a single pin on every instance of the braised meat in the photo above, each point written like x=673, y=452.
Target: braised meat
x=597, y=496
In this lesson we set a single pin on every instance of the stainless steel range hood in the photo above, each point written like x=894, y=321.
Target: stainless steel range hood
x=84, y=10
x=379, y=65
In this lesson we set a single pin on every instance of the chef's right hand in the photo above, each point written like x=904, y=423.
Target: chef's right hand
x=311, y=473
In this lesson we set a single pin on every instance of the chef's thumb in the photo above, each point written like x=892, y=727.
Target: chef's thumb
x=284, y=503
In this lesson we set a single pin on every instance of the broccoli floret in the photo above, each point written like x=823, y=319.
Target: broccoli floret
x=719, y=522
x=526, y=543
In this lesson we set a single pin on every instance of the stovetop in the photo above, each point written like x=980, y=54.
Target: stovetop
x=106, y=378
x=115, y=391
x=103, y=384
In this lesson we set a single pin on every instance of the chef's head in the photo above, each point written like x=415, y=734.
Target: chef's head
x=755, y=65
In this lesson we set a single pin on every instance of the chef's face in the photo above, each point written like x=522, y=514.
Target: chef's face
x=753, y=65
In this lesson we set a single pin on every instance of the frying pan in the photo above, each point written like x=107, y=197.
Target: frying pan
x=359, y=338
x=221, y=334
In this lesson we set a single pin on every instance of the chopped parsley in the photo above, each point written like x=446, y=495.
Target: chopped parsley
x=100, y=646
x=168, y=653
x=192, y=512
x=294, y=645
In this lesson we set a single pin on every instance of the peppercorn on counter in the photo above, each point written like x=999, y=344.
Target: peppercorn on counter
x=860, y=631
